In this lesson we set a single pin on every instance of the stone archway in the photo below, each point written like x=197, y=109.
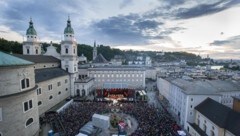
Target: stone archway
x=83, y=92
x=78, y=92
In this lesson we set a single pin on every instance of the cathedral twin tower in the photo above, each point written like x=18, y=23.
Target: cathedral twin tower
x=69, y=58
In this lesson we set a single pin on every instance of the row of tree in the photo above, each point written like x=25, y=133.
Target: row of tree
x=108, y=52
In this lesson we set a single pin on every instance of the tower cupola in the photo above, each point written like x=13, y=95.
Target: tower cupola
x=31, y=30
x=68, y=29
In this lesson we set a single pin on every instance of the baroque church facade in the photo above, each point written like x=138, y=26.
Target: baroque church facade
x=32, y=83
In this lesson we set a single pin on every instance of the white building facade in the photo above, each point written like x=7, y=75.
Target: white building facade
x=133, y=76
x=183, y=96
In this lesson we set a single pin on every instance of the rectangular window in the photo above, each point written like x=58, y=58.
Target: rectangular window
x=25, y=83
x=59, y=83
x=27, y=80
x=0, y=114
x=49, y=87
x=39, y=91
x=30, y=104
x=27, y=105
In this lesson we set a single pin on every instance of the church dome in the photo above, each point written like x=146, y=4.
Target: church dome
x=31, y=30
x=68, y=29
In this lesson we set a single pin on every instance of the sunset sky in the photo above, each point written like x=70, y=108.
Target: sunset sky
x=197, y=26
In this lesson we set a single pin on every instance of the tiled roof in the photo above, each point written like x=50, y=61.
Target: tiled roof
x=38, y=58
x=48, y=73
x=100, y=59
x=220, y=115
x=10, y=60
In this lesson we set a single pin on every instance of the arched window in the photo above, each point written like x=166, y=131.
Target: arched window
x=204, y=128
x=50, y=97
x=198, y=121
x=27, y=51
x=66, y=50
x=212, y=133
x=39, y=103
x=29, y=122
x=36, y=51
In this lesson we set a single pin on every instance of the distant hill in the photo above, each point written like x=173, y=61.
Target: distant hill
x=108, y=52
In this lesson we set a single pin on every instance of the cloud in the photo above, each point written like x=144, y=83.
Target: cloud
x=125, y=3
x=186, y=9
x=232, y=42
x=48, y=16
x=202, y=9
x=130, y=28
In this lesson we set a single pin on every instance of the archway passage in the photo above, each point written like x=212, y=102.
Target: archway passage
x=78, y=92
x=83, y=92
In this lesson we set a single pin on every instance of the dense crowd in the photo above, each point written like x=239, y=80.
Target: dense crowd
x=151, y=122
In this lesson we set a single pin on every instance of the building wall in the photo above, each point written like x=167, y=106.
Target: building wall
x=83, y=72
x=164, y=87
x=32, y=44
x=135, y=78
x=14, y=118
x=12, y=98
x=192, y=101
x=70, y=63
x=10, y=79
x=227, y=98
x=58, y=93
x=201, y=120
x=80, y=86
x=182, y=104
x=46, y=65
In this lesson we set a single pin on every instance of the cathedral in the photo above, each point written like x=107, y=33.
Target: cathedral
x=33, y=83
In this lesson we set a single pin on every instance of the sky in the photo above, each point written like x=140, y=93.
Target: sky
x=202, y=27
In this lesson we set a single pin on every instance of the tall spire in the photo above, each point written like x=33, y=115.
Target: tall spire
x=31, y=30
x=68, y=29
x=94, y=43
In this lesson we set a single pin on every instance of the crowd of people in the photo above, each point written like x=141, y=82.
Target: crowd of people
x=151, y=122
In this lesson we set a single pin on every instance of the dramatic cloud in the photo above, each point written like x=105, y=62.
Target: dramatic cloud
x=232, y=42
x=168, y=24
x=203, y=9
x=128, y=29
